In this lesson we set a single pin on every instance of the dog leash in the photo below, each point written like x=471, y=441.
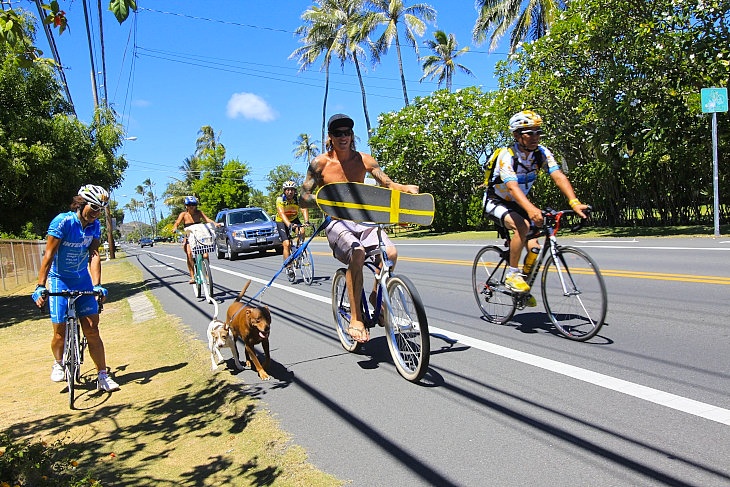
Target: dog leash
x=292, y=256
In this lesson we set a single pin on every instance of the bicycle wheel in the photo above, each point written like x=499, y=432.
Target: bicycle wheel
x=495, y=300
x=406, y=329
x=70, y=359
x=306, y=266
x=574, y=294
x=341, y=311
x=82, y=348
x=207, y=278
x=197, y=287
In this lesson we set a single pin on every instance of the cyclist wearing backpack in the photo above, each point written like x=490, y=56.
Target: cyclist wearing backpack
x=515, y=171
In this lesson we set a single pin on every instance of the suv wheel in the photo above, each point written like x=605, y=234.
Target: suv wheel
x=231, y=254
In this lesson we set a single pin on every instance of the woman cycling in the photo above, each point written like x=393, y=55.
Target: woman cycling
x=71, y=262
x=190, y=216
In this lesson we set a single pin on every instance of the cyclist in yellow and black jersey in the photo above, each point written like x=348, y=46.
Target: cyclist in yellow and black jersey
x=287, y=212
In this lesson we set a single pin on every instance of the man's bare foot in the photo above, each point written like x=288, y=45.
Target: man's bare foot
x=358, y=332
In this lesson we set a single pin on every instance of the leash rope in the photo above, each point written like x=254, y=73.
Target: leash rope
x=294, y=255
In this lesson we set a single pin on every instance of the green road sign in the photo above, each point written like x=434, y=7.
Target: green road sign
x=714, y=100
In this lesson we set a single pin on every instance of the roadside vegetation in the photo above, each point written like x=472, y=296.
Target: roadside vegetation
x=174, y=422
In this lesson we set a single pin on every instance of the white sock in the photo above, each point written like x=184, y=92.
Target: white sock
x=512, y=270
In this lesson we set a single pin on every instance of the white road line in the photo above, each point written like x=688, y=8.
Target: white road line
x=667, y=399
x=690, y=406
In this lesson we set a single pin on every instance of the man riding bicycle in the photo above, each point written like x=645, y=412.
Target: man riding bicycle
x=348, y=240
x=190, y=216
x=515, y=171
x=287, y=213
x=71, y=262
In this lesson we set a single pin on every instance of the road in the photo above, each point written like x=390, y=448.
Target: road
x=643, y=403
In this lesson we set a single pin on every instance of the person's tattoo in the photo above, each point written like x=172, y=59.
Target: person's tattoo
x=381, y=177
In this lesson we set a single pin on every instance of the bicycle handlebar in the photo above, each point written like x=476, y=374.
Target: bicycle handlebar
x=72, y=294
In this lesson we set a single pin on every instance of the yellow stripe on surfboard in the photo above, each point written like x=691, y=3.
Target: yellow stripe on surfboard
x=394, y=211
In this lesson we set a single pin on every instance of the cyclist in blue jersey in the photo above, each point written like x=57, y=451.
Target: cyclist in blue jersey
x=71, y=262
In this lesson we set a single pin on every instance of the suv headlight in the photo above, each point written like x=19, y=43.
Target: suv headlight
x=238, y=234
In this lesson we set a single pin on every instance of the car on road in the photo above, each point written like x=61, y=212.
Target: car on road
x=146, y=242
x=243, y=230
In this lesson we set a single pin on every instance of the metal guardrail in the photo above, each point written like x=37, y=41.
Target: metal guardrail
x=20, y=261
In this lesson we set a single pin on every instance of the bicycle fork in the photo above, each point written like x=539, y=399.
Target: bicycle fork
x=562, y=271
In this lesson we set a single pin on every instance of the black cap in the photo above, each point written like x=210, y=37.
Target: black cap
x=339, y=120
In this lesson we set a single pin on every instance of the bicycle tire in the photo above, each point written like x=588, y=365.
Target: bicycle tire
x=197, y=286
x=495, y=300
x=406, y=329
x=578, y=314
x=82, y=348
x=70, y=357
x=306, y=266
x=207, y=276
x=341, y=311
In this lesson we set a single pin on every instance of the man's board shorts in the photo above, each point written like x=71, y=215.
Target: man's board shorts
x=58, y=305
x=345, y=235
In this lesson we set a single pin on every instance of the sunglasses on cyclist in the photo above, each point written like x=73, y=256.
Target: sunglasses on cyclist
x=341, y=133
x=95, y=207
x=531, y=133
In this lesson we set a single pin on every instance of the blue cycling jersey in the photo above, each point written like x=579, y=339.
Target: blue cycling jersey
x=72, y=259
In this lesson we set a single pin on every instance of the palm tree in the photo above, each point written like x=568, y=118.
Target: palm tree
x=305, y=148
x=390, y=13
x=318, y=35
x=344, y=26
x=531, y=20
x=442, y=64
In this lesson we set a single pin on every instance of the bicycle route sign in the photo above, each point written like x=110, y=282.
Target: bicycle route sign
x=714, y=100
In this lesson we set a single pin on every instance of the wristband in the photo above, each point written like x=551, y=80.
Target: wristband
x=574, y=202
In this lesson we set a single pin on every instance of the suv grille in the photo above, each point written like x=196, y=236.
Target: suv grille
x=259, y=233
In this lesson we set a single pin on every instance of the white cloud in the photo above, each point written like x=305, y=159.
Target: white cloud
x=141, y=103
x=249, y=106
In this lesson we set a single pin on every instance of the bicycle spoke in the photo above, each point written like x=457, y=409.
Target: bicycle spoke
x=494, y=299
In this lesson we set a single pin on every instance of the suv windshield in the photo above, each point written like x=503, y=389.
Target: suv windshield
x=251, y=216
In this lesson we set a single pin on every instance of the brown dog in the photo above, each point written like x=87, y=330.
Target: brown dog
x=252, y=325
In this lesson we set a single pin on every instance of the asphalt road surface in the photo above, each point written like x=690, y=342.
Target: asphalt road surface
x=646, y=402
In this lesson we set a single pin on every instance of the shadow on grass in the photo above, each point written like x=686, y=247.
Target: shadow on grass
x=161, y=422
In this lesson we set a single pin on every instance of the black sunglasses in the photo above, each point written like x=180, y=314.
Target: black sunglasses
x=341, y=133
x=531, y=132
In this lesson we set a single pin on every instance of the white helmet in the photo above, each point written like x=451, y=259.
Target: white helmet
x=289, y=185
x=94, y=194
x=524, y=119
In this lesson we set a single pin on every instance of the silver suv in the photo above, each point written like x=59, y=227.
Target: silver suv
x=245, y=230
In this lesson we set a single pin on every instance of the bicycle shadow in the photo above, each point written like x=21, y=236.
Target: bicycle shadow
x=537, y=322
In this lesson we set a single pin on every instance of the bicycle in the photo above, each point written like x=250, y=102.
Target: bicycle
x=304, y=262
x=406, y=326
x=74, y=343
x=573, y=291
x=201, y=238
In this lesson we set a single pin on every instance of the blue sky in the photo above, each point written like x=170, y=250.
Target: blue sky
x=184, y=64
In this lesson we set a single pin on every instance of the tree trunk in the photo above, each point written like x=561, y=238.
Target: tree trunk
x=364, y=97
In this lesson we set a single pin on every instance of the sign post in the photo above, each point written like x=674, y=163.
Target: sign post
x=714, y=100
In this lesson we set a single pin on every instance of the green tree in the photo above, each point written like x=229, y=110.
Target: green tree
x=440, y=143
x=528, y=20
x=390, y=13
x=442, y=64
x=305, y=148
x=621, y=101
x=228, y=188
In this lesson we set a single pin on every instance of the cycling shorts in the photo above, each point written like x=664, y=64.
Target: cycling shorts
x=498, y=209
x=284, y=230
x=58, y=305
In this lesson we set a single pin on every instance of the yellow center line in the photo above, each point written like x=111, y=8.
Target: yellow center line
x=657, y=276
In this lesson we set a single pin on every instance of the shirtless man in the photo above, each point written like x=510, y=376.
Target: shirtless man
x=190, y=216
x=349, y=241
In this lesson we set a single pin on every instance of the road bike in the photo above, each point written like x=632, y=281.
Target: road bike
x=201, y=239
x=573, y=291
x=74, y=343
x=304, y=263
x=398, y=307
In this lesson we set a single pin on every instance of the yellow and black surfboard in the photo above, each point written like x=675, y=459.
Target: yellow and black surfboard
x=367, y=203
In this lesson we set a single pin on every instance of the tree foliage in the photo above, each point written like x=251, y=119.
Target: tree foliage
x=440, y=144
x=46, y=153
x=621, y=101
